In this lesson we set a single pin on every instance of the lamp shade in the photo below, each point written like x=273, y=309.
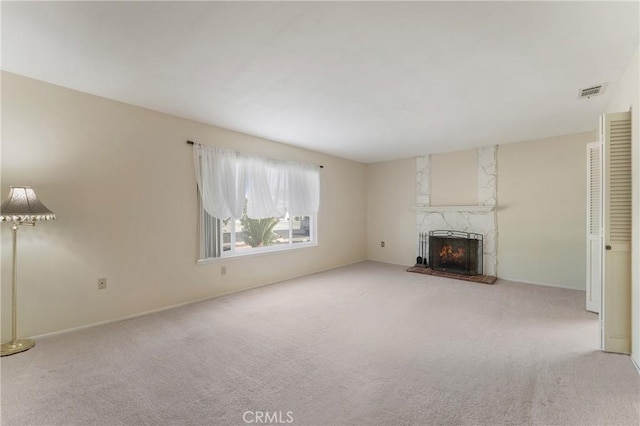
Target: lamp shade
x=22, y=205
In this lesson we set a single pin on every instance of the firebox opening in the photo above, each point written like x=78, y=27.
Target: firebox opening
x=452, y=255
x=456, y=251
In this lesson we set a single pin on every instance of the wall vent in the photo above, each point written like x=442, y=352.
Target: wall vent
x=592, y=91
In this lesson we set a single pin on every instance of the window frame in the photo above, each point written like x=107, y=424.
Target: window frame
x=230, y=254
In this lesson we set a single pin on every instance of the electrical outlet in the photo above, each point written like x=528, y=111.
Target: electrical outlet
x=223, y=270
x=102, y=283
x=381, y=243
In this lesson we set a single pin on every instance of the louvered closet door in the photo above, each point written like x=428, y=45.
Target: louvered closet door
x=594, y=227
x=616, y=314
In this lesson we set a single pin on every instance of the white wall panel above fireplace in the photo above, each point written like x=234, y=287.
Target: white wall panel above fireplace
x=454, y=179
x=487, y=175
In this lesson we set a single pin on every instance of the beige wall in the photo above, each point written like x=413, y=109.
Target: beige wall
x=454, y=178
x=391, y=216
x=121, y=181
x=626, y=95
x=541, y=210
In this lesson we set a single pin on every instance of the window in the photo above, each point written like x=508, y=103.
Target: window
x=244, y=235
x=269, y=205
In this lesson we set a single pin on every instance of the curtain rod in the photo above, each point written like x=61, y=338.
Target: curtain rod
x=192, y=143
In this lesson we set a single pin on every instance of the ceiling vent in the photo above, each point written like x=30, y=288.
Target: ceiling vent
x=592, y=91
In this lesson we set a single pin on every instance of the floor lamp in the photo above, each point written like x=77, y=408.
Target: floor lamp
x=21, y=207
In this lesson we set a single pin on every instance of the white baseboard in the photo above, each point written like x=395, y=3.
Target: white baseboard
x=126, y=317
x=178, y=305
x=517, y=280
x=636, y=365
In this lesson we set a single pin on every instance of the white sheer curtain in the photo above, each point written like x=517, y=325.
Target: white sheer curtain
x=303, y=189
x=271, y=188
x=222, y=181
x=267, y=188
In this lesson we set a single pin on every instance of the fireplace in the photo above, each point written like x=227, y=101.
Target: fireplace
x=455, y=252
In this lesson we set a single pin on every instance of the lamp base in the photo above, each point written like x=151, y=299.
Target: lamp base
x=15, y=346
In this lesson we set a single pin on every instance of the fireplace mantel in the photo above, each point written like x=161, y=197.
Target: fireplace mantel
x=470, y=209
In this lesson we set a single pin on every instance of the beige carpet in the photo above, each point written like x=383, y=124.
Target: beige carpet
x=368, y=344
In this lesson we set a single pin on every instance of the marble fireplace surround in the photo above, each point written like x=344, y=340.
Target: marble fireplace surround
x=479, y=218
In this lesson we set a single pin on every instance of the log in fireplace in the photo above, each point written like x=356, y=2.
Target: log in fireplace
x=456, y=252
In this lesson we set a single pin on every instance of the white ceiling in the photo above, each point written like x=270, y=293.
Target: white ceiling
x=367, y=81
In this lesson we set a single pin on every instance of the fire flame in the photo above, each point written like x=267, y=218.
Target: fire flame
x=447, y=254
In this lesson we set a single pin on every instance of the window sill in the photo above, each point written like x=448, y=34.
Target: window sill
x=257, y=252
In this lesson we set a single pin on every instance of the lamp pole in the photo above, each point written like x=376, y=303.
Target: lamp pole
x=14, y=284
x=14, y=346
